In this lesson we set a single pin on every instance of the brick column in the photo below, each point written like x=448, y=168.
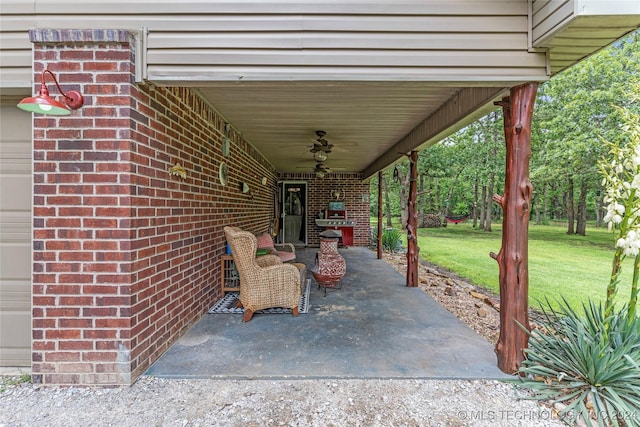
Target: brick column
x=82, y=216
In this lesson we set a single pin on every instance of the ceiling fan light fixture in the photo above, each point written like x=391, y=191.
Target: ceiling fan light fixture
x=320, y=174
x=320, y=156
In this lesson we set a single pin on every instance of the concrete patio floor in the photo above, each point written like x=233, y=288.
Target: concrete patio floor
x=374, y=327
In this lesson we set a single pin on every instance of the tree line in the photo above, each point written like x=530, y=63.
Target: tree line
x=575, y=115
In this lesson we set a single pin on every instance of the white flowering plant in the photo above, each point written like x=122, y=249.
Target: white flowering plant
x=621, y=179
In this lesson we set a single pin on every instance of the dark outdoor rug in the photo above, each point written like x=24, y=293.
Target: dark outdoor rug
x=227, y=305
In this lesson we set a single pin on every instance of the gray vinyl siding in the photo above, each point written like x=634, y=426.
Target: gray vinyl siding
x=548, y=16
x=15, y=234
x=197, y=41
x=571, y=30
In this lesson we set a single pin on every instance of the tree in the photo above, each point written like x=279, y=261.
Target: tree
x=575, y=111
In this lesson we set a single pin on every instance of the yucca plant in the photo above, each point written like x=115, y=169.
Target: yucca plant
x=588, y=362
x=391, y=240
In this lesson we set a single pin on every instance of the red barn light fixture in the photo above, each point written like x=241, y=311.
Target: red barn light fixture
x=44, y=104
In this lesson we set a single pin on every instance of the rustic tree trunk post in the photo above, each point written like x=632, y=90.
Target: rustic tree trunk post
x=412, y=223
x=380, y=218
x=513, y=256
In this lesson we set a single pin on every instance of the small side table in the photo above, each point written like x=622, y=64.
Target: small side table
x=229, y=275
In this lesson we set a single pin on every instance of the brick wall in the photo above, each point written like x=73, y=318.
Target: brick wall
x=356, y=198
x=126, y=257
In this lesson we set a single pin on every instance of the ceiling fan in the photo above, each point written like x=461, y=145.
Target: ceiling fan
x=321, y=170
x=321, y=147
x=320, y=167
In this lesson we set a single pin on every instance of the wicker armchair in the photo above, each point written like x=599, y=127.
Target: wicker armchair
x=265, y=281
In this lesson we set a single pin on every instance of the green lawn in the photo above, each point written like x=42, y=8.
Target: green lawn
x=574, y=267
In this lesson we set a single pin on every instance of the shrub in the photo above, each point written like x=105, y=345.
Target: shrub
x=588, y=362
x=391, y=240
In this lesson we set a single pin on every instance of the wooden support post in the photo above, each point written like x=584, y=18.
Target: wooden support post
x=513, y=256
x=380, y=178
x=412, y=223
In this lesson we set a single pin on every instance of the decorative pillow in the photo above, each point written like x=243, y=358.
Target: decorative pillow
x=265, y=241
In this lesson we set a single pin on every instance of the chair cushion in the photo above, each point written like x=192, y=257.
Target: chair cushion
x=265, y=241
x=286, y=256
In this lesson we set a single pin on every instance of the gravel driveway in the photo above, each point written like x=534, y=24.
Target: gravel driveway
x=179, y=402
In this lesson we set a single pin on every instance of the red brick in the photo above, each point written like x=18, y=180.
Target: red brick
x=62, y=379
x=61, y=133
x=53, y=334
x=75, y=211
x=113, y=55
x=101, y=200
x=63, y=222
x=107, y=345
x=40, y=189
x=114, y=211
x=112, y=301
x=75, y=77
x=39, y=301
x=75, y=301
x=58, y=289
x=114, y=234
x=75, y=345
x=100, y=334
x=75, y=368
x=99, y=289
x=100, y=133
x=76, y=256
x=62, y=178
x=114, y=257
x=75, y=189
x=62, y=312
x=113, y=323
x=75, y=278
x=75, y=121
x=65, y=267
x=63, y=245
x=102, y=356
x=43, y=323
x=44, y=234
x=76, y=55
x=101, y=246
x=43, y=345
x=100, y=312
x=100, y=223
x=75, y=323
x=74, y=234
x=62, y=356
x=113, y=145
x=113, y=278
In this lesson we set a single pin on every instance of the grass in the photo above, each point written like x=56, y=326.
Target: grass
x=574, y=267
x=6, y=382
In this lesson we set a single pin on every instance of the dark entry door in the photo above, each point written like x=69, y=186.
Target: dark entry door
x=293, y=212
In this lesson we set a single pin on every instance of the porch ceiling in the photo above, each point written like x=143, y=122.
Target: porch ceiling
x=369, y=123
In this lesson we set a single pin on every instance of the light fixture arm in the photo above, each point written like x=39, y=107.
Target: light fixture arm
x=73, y=99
